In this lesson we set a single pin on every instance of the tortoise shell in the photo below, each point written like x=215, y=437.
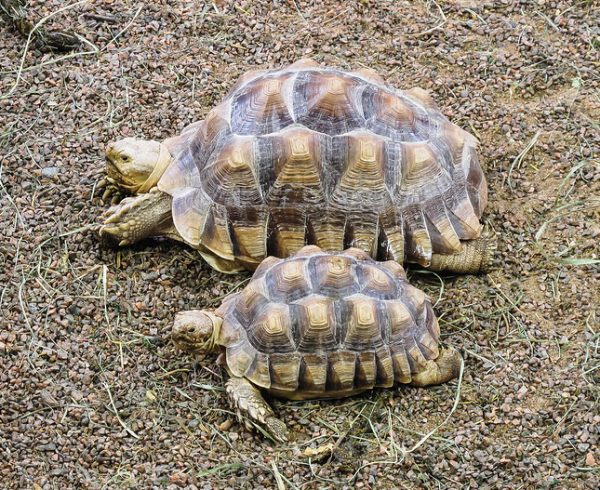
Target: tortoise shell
x=324, y=324
x=313, y=155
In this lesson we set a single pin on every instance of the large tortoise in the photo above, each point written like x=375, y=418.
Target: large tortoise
x=320, y=325
x=309, y=155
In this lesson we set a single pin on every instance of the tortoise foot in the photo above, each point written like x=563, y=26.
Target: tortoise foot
x=136, y=218
x=249, y=402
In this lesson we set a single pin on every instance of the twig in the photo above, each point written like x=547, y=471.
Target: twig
x=101, y=18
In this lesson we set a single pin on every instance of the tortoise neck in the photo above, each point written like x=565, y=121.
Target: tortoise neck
x=163, y=161
x=213, y=344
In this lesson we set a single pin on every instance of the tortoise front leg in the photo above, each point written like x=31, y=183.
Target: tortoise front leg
x=248, y=401
x=139, y=217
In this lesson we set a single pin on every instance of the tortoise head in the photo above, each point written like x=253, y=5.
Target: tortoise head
x=196, y=331
x=136, y=165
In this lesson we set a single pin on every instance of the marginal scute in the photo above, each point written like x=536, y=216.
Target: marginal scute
x=259, y=370
x=190, y=213
x=215, y=234
x=286, y=231
x=366, y=370
x=326, y=229
x=416, y=359
x=249, y=234
x=441, y=233
x=230, y=332
x=385, y=367
x=431, y=323
x=391, y=236
x=313, y=373
x=215, y=128
x=341, y=370
x=285, y=371
x=240, y=357
x=418, y=242
x=401, y=365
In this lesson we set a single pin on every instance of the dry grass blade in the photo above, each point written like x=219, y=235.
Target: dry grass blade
x=278, y=479
x=441, y=424
x=116, y=413
x=516, y=163
x=438, y=26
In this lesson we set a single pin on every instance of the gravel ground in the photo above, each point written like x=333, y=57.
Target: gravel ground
x=92, y=394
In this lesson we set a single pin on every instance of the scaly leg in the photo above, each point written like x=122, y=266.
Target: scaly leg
x=139, y=217
x=248, y=401
x=475, y=256
x=439, y=370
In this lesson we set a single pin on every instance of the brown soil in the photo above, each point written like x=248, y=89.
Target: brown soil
x=92, y=394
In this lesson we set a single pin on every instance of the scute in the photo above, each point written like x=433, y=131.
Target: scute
x=333, y=275
x=259, y=107
x=271, y=330
x=289, y=281
x=362, y=322
x=327, y=102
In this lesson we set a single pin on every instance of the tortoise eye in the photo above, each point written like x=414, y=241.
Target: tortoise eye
x=125, y=158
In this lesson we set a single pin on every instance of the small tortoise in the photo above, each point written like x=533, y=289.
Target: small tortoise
x=319, y=325
x=309, y=155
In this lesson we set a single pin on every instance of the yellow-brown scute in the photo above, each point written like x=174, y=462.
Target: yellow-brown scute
x=329, y=322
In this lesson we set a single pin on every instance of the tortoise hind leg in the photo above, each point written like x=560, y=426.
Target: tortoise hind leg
x=248, y=401
x=474, y=256
x=439, y=370
x=139, y=217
